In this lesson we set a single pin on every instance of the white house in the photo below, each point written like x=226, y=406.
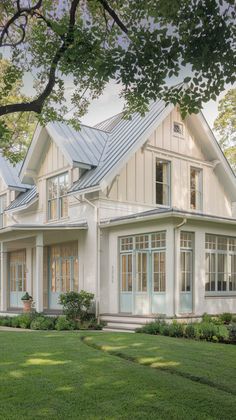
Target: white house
x=140, y=212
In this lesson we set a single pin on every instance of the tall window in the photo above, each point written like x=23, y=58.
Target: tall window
x=3, y=205
x=57, y=188
x=186, y=255
x=162, y=183
x=220, y=260
x=195, y=188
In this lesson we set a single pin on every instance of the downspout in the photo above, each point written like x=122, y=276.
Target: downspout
x=98, y=249
x=177, y=227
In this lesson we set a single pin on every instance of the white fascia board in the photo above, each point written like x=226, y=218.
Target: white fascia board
x=21, y=208
x=119, y=166
x=30, y=151
x=167, y=215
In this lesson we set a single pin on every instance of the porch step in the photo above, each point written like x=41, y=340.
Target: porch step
x=122, y=326
x=137, y=320
x=118, y=330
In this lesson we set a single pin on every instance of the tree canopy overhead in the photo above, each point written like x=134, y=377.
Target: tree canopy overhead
x=225, y=126
x=140, y=44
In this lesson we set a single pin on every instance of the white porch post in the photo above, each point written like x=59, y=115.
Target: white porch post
x=39, y=273
x=3, y=277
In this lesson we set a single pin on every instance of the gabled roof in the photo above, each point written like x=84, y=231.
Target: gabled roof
x=24, y=200
x=10, y=174
x=124, y=140
x=81, y=148
x=110, y=123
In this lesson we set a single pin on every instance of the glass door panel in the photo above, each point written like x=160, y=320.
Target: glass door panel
x=142, y=288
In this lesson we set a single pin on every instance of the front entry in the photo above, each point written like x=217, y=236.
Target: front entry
x=143, y=274
x=17, y=277
x=63, y=271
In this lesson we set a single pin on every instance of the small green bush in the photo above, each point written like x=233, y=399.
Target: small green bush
x=5, y=321
x=233, y=319
x=15, y=322
x=206, y=318
x=222, y=333
x=226, y=317
x=164, y=328
x=176, y=329
x=64, y=324
x=76, y=305
x=24, y=320
x=232, y=333
x=43, y=323
x=150, y=328
x=190, y=331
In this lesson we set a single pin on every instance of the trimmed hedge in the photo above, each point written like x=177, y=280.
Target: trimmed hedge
x=209, y=329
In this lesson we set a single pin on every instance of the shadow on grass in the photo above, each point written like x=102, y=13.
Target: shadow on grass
x=160, y=363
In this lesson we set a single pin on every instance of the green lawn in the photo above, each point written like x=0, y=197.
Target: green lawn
x=53, y=375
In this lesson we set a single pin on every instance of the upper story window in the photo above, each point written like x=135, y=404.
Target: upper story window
x=3, y=205
x=57, y=188
x=178, y=129
x=162, y=183
x=195, y=188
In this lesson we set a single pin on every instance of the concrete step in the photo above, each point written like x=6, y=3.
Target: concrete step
x=130, y=319
x=119, y=330
x=126, y=325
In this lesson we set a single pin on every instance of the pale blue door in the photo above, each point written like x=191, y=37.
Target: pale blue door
x=186, y=278
x=142, y=286
x=17, y=280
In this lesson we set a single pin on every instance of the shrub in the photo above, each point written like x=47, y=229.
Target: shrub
x=176, y=329
x=5, y=321
x=64, y=324
x=76, y=305
x=232, y=333
x=207, y=330
x=15, y=322
x=43, y=323
x=150, y=328
x=206, y=318
x=233, y=319
x=24, y=320
x=164, y=328
x=222, y=333
x=190, y=331
x=226, y=317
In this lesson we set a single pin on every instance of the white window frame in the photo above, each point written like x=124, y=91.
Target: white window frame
x=168, y=184
x=58, y=198
x=179, y=135
x=198, y=190
x=187, y=247
x=216, y=251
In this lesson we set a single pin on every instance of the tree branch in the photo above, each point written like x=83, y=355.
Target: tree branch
x=114, y=16
x=37, y=104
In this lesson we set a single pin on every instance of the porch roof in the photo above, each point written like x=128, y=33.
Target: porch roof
x=41, y=227
x=160, y=213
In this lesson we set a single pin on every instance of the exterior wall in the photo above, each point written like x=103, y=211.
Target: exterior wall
x=136, y=183
x=214, y=303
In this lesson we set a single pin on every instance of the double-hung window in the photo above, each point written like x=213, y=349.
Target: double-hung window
x=220, y=263
x=3, y=205
x=162, y=182
x=195, y=188
x=57, y=188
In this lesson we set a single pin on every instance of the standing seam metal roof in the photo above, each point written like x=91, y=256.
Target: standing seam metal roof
x=10, y=173
x=122, y=138
x=23, y=199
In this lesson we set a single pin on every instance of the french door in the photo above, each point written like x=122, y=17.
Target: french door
x=63, y=272
x=142, y=286
x=186, y=285
x=17, y=278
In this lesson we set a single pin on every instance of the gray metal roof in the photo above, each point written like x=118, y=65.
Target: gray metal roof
x=23, y=199
x=110, y=123
x=84, y=146
x=121, y=139
x=168, y=211
x=10, y=174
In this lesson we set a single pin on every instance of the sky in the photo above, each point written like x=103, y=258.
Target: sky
x=110, y=104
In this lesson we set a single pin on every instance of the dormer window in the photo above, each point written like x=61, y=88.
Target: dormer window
x=162, y=182
x=57, y=188
x=3, y=205
x=178, y=129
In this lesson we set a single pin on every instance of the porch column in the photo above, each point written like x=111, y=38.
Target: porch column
x=3, y=277
x=39, y=273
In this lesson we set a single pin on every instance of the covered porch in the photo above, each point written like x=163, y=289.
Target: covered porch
x=42, y=260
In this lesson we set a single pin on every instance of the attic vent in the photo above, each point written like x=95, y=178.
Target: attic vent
x=178, y=128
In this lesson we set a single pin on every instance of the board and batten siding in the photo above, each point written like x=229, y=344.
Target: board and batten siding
x=136, y=181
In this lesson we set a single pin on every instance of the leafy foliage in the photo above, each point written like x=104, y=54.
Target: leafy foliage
x=64, y=324
x=140, y=45
x=225, y=126
x=42, y=322
x=76, y=305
